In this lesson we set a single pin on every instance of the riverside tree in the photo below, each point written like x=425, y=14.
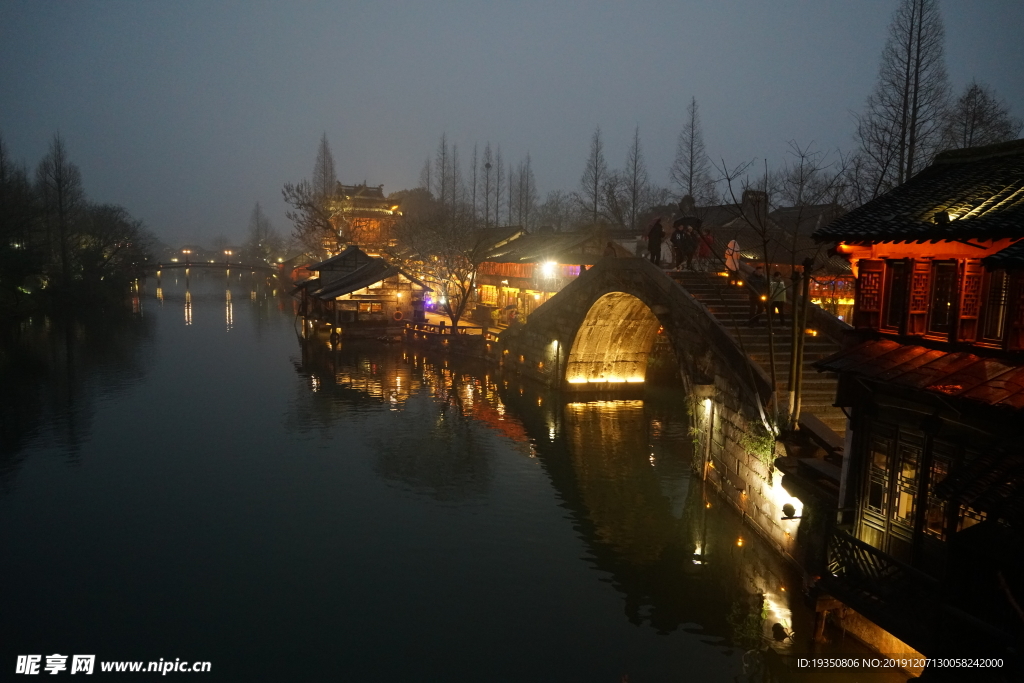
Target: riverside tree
x=442, y=245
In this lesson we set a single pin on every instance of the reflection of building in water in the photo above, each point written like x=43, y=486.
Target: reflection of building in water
x=229, y=315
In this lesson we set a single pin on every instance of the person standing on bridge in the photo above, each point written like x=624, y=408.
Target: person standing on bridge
x=732, y=261
x=654, y=237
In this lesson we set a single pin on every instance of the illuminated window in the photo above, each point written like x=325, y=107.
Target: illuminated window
x=878, y=479
x=906, y=484
x=371, y=307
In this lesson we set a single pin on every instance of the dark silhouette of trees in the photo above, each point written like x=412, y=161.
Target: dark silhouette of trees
x=325, y=180
x=978, y=117
x=53, y=241
x=310, y=206
x=899, y=130
x=691, y=170
x=595, y=173
x=263, y=241
x=636, y=180
x=59, y=188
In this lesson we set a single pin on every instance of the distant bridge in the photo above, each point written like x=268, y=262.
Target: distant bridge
x=218, y=265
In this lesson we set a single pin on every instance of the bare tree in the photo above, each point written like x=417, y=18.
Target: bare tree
x=425, y=176
x=443, y=246
x=594, y=176
x=59, y=186
x=472, y=202
x=636, y=180
x=513, y=180
x=691, y=169
x=488, y=165
x=615, y=199
x=457, y=186
x=556, y=211
x=898, y=131
x=325, y=180
x=499, y=185
x=311, y=220
x=264, y=240
x=978, y=117
x=442, y=172
x=527, y=193
x=310, y=206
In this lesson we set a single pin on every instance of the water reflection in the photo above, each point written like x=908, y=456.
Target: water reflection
x=622, y=468
x=53, y=369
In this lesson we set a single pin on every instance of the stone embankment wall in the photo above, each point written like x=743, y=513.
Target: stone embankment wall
x=603, y=324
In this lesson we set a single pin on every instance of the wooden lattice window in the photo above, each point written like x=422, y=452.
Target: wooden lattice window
x=996, y=297
x=970, y=300
x=896, y=281
x=920, y=295
x=868, y=307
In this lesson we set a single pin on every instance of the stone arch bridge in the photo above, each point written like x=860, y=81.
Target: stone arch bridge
x=597, y=333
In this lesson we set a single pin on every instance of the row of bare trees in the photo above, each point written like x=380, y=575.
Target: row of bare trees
x=491, y=194
x=52, y=238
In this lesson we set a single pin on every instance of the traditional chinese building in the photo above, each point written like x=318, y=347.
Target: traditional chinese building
x=524, y=272
x=364, y=216
x=932, y=494
x=354, y=290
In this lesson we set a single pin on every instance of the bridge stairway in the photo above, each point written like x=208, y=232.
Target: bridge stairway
x=730, y=305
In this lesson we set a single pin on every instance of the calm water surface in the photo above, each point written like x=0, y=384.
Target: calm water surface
x=192, y=481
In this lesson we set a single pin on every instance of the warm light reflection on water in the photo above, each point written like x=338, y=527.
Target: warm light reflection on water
x=278, y=506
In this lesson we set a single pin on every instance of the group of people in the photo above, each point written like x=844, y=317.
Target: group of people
x=691, y=245
x=687, y=244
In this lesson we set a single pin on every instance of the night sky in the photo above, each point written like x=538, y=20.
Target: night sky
x=187, y=113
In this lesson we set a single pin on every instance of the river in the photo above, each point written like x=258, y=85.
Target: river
x=189, y=481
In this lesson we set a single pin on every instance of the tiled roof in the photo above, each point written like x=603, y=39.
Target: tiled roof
x=960, y=375
x=1011, y=258
x=371, y=273
x=982, y=190
x=563, y=247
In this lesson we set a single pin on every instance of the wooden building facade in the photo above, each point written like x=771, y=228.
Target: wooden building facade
x=934, y=390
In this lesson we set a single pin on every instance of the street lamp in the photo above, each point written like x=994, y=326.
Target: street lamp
x=187, y=253
x=227, y=257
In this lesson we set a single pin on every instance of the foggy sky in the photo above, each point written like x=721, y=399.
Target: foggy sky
x=187, y=113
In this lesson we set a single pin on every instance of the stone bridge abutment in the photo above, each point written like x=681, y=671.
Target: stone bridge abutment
x=593, y=339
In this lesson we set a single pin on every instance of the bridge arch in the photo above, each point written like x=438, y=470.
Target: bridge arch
x=613, y=342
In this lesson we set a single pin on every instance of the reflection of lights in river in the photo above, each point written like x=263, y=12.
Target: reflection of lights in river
x=315, y=383
x=160, y=294
x=188, y=307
